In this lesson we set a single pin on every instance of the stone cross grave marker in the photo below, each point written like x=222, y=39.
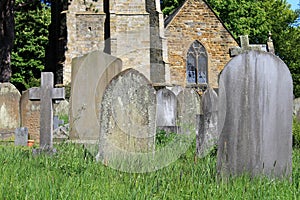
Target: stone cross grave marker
x=245, y=46
x=255, y=109
x=46, y=94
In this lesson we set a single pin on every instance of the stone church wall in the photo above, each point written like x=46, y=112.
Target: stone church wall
x=196, y=21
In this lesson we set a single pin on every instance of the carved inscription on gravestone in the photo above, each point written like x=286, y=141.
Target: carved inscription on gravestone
x=255, y=116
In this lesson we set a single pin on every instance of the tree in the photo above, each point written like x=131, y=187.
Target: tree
x=6, y=38
x=32, y=19
x=168, y=6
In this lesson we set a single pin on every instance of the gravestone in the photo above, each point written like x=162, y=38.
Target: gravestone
x=189, y=105
x=255, y=116
x=21, y=136
x=61, y=108
x=166, y=111
x=207, y=138
x=9, y=109
x=57, y=122
x=30, y=116
x=127, y=119
x=296, y=108
x=176, y=89
x=90, y=75
x=46, y=94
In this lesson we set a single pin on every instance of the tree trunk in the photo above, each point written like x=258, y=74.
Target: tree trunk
x=6, y=38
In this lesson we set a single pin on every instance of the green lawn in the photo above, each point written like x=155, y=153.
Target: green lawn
x=73, y=174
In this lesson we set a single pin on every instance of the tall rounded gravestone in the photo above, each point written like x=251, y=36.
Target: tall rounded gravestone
x=255, y=116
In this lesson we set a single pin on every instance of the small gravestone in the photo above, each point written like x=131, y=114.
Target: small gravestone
x=57, y=122
x=9, y=109
x=166, y=111
x=91, y=74
x=296, y=108
x=30, y=116
x=127, y=120
x=62, y=108
x=189, y=105
x=208, y=137
x=255, y=116
x=21, y=136
x=46, y=94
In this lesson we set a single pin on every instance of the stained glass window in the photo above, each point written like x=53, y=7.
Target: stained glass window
x=196, y=68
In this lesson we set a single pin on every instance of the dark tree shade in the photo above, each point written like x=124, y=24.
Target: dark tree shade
x=6, y=38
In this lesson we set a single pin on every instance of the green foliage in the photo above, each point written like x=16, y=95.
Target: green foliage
x=168, y=6
x=162, y=138
x=256, y=19
x=73, y=174
x=296, y=133
x=31, y=38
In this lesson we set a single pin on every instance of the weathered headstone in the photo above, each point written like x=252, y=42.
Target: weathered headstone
x=296, y=108
x=46, y=94
x=61, y=108
x=255, y=116
x=30, y=116
x=9, y=109
x=21, y=136
x=207, y=138
x=166, y=111
x=189, y=105
x=90, y=75
x=176, y=89
x=127, y=118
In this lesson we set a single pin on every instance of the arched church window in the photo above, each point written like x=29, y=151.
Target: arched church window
x=196, y=67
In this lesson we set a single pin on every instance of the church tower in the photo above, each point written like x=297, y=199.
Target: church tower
x=132, y=30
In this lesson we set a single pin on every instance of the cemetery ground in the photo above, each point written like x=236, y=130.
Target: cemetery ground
x=72, y=173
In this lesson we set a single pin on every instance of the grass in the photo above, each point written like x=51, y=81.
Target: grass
x=73, y=174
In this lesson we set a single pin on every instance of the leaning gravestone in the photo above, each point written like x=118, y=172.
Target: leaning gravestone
x=189, y=105
x=166, y=111
x=90, y=75
x=127, y=121
x=208, y=137
x=9, y=109
x=30, y=116
x=255, y=116
x=46, y=94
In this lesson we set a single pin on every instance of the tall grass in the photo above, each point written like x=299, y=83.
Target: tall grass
x=73, y=174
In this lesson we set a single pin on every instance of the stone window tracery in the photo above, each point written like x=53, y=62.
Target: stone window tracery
x=196, y=68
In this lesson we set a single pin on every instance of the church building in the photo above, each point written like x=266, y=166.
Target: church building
x=190, y=47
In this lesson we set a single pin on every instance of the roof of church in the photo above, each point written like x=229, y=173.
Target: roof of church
x=169, y=18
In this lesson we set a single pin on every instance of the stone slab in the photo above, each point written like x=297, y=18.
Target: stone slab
x=90, y=75
x=255, y=116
